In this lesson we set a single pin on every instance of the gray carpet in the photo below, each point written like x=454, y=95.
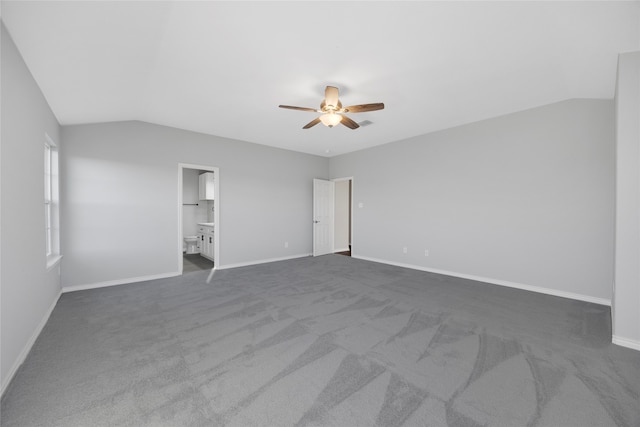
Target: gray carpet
x=327, y=341
x=195, y=262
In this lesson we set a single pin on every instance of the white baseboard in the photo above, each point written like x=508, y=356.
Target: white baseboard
x=27, y=347
x=541, y=290
x=129, y=280
x=262, y=261
x=117, y=282
x=626, y=342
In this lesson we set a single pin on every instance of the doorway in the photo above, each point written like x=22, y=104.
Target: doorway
x=333, y=216
x=199, y=217
x=343, y=216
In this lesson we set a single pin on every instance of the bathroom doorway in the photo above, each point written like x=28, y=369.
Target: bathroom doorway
x=198, y=217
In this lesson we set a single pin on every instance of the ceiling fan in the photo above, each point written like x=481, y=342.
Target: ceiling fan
x=333, y=112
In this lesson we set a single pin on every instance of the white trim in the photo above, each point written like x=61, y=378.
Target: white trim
x=117, y=282
x=130, y=280
x=262, y=261
x=50, y=141
x=538, y=289
x=626, y=342
x=27, y=347
x=53, y=260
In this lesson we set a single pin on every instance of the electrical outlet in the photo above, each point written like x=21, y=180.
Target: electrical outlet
x=426, y=252
x=404, y=250
x=286, y=244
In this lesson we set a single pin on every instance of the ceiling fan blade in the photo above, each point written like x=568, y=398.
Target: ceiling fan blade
x=349, y=123
x=364, y=107
x=312, y=123
x=291, y=107
x=331, y=96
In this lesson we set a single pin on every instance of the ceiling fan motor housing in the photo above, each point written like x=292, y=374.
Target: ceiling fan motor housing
x=327, y=108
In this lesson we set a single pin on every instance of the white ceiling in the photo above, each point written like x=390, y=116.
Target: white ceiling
x=222, y=68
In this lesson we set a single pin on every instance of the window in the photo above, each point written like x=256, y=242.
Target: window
x=51, y=201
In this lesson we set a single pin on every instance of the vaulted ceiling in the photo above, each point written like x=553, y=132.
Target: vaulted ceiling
x=222, y=68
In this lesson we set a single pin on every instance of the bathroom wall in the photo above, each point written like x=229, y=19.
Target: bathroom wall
x=191, y=213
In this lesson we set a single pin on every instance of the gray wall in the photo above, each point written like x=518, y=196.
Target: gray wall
x=525, y=199
x=626, y=304
x=120, y=213
x=28, y=289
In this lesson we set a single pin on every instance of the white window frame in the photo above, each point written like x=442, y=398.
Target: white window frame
x=47, y=198
x=51, y=202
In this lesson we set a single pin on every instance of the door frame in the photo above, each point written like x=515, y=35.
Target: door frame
x=348, y=178
x=216, y=210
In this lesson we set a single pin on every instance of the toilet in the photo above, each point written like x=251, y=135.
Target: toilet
x=192, y=244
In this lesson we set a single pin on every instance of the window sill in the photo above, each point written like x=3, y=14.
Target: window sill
x=52, y=261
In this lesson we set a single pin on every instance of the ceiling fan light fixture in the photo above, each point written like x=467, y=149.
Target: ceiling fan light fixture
x=330, y=119
x=332, y=112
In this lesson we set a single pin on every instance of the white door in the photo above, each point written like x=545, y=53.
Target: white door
x=323, y=199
